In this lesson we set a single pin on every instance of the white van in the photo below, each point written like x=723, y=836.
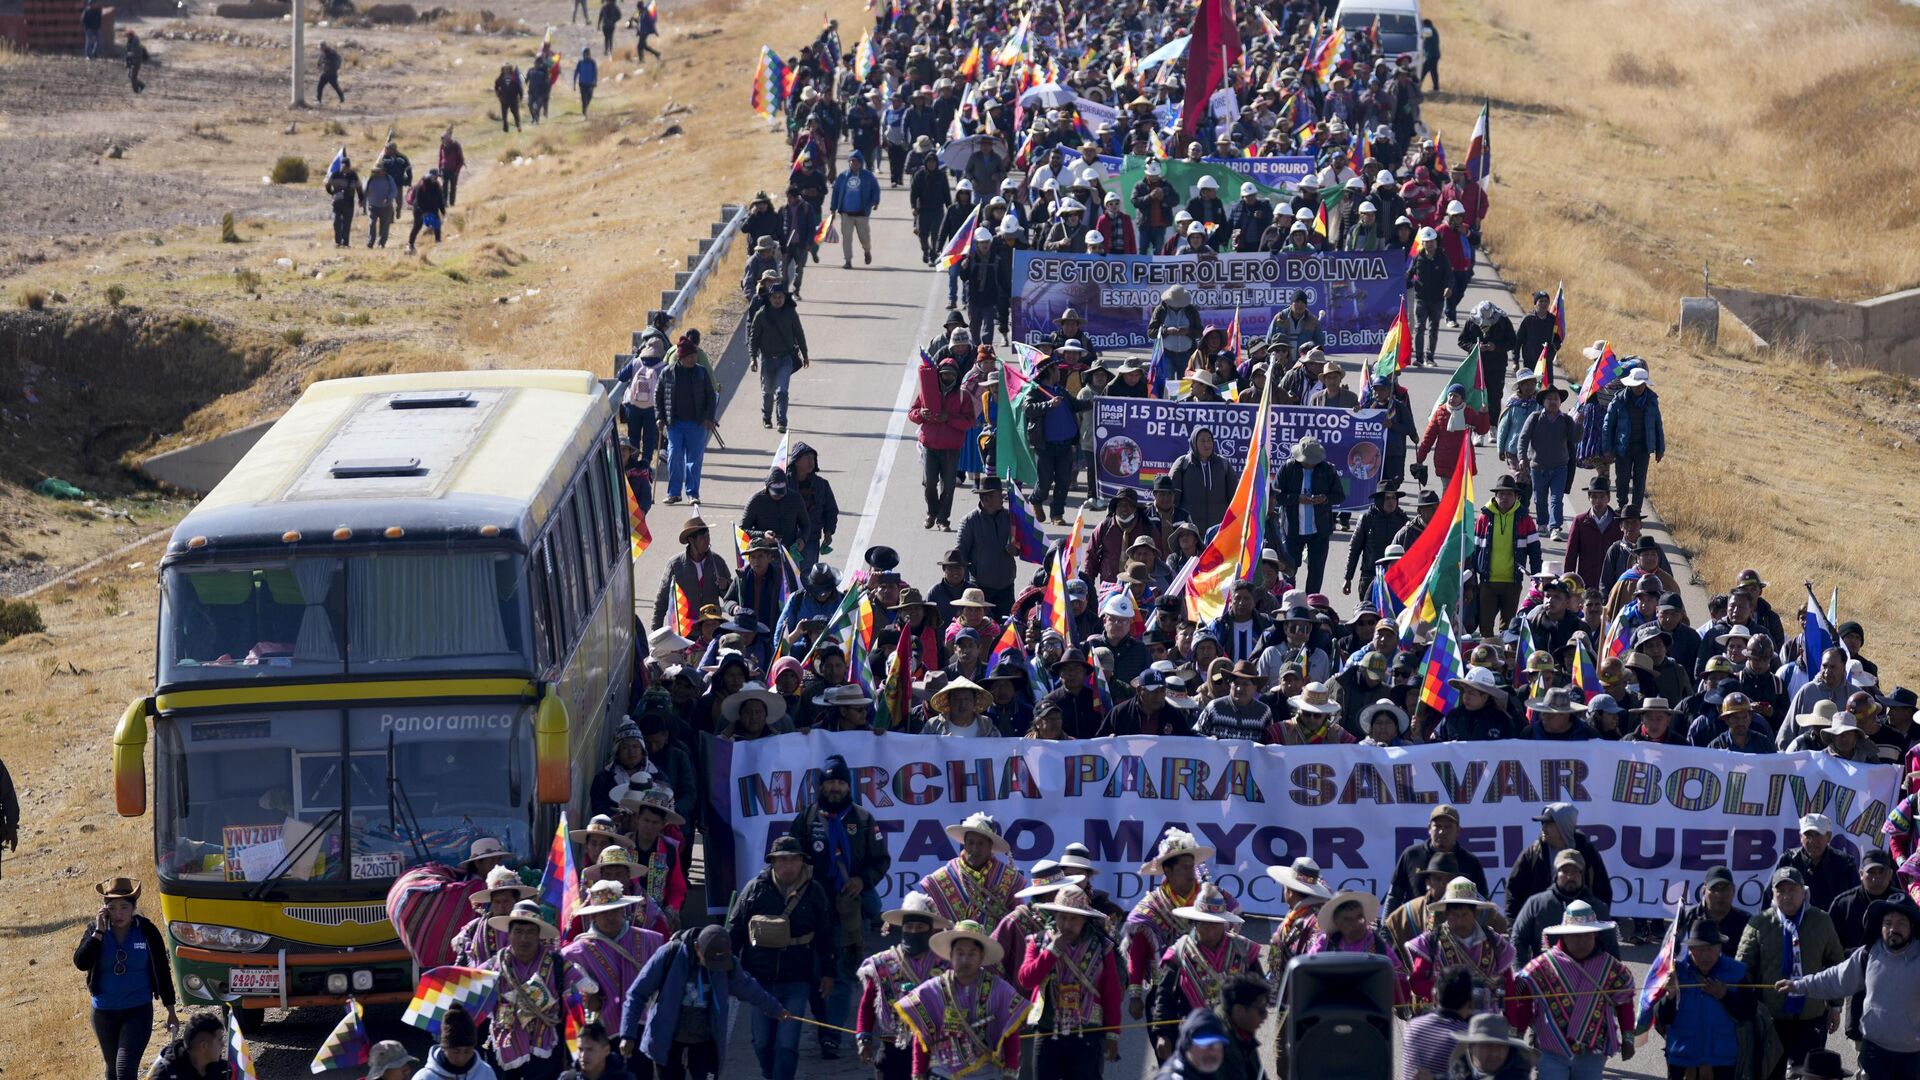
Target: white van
x=1399, y=25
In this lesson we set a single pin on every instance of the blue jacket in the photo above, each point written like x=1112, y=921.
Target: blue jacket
x=586, y=72
x=855, y=193
x=1702, y=1031
x=661, y=984
x=1625, y=411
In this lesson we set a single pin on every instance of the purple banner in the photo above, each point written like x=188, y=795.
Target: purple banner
x=1356, y=293
x=1136, y=440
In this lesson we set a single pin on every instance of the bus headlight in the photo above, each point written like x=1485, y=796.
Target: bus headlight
x=337, y=983
x=209, y=936
x=362, y=981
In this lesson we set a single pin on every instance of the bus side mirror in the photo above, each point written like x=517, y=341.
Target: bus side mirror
x=130, y=760
x=552, y=757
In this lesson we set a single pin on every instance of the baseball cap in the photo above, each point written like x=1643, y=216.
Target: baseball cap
x=716, y=949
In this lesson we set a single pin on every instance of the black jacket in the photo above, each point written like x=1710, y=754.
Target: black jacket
x=776, y=332
x=1497, y=344
x=1849, y=911
x=785, y=517
x=1834, y=874
x=1533, y=872
x=1079, y=713
x=1538, y=332
x=1371, y=537
x=91, y=956
x=982, y=545
x=867, y=855
x=813, y=914
x=685, y=393
x=1413, y=862
x=1295, y=480
x=1430, y=276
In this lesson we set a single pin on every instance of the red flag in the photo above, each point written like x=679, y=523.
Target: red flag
x=1212, y=48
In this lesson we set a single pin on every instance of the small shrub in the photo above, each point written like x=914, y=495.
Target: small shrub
x=227, y=233
x=507, y=155
x=289, y=170
x=193, y=324
x=294, y=336
x=455, y=275
x=334, y=127
x=33, y=299
x=360, y=318
x=19, y=617
x=115, y=294
x=248, y=280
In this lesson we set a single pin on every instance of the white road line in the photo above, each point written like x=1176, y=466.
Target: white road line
x=896, y=425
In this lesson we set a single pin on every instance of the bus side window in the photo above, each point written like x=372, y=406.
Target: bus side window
x=541, y=596
x=565, y=540
x=615, y=507
x=593, y=530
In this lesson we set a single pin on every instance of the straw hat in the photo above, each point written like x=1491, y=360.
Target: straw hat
x=1209, y=906
x=611, y=857
x=968, y=930
x=844, y=694
x=1176, y=843
x=1302, y=877
x=1463, y=891
x=607, y=896
x=981, y=823
x=527, y=911
x=598, y=825
x=1073, y=900
x=501, y=879
x=1822, y=715
x=1316, y=698
x=972, y=598
x=657, y=798
x=939, y=700
x=753, y=691
x=915, y=905
x=1369, y=904
x=1077, y=860
x=1579, y=918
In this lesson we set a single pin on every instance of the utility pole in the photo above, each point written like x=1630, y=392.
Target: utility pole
x=299, y=53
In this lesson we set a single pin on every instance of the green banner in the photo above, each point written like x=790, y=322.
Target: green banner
x=1183, y=175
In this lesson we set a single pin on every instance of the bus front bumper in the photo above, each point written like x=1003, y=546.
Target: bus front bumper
x=281, y=980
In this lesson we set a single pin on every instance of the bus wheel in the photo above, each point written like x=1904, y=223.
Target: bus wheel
x=251, y=1020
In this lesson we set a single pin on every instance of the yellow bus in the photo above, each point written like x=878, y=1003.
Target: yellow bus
x=404, y=621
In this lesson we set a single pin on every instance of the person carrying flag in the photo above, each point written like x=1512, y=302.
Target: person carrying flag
x=762, y=583
x=646, y=26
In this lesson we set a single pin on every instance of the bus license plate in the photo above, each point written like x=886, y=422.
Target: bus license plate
x=254, y=981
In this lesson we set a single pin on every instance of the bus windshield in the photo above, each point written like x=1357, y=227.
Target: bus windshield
x=330, y=797
x=370, y=614
x=1399, y=33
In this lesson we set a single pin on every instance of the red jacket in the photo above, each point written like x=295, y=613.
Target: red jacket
x=1037, y=966
x=1445, y=445
x=948, y=434
x=1118, y=229
x=1457, y=248
x=1587, y=546
x=452, y=158
x=1472, y=196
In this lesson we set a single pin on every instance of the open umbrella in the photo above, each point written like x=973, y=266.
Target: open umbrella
x=1047, y=94
x=957, y=153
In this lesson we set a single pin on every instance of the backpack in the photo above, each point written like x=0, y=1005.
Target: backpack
x=412, y=191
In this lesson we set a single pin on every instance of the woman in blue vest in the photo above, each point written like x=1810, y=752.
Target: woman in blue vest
x=126, y=964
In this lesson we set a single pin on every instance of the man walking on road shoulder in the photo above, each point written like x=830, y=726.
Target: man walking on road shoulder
x=856, y=195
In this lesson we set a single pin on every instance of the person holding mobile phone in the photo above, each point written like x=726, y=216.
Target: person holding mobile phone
x=126, y=964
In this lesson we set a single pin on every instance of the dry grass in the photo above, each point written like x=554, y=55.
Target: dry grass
x=1773, y=141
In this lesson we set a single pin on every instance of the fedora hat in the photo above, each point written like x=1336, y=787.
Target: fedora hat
x=1316, y=698
x=1073, y=900
x=1822, y=716
x=693, y=527
x=844, y=694
x=1462, y=890
x=485, y=848
x=607, y=896
x=1077, y=860
x=600, y=825
x=501, y=879
x=1073, y=655
x=968, y=930
x=526, y=911
x=1705, y=932
x=1556, y=702
x=911, y=598
x=1048, y=877
x=982, y=823
x=1209, y=905
x=776, y=705
x=119, y=888
x=915, y=905
x=1303, y=877
x=1175, y=843
x=1369, y=904
x=1483, y=680
x=666, y=640
x=1444, y=863
x=1579, y=918
x=657, y=798
x=613, y=856
x=1491, y=1029
x=939, y=700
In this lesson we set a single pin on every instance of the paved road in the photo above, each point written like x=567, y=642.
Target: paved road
x=866, y=325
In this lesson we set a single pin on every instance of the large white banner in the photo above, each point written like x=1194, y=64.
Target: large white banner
x=1659, y=816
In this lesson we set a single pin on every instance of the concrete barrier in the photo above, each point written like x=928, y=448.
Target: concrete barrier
x=1883, y=332
x=199, y=467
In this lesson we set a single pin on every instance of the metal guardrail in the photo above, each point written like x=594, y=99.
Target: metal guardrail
x=700, y=266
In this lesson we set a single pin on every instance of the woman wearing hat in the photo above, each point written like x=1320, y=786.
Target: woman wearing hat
x=656, y=829
x=1349, y=924
x=525, y=1033
x=1490, y=1050
x=1072, y=970
x=477, y=942
x=125, y=959
x=1197, y=966
x=753, y=712
x=1461, y=938
x=966, y=1020
x=1481, y=713
x=886, y=1043
x=1447, y=434
x=1314, y=722
x=1576, y=998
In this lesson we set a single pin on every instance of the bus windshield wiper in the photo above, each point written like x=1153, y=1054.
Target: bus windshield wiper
x=293, y=857
x=398, y=801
